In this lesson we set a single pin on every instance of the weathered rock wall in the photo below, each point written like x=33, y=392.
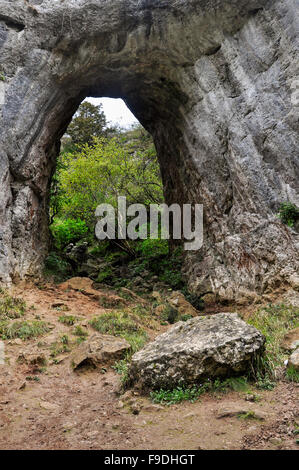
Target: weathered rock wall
x=212, y=81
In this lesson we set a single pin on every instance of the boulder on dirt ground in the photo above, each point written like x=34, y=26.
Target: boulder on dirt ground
x=218, y=345
x=31, y=357
x=291, y=340
x=294, y=360
x=178, y=301
x=77, y=283
x=99, y=350
x=85, y=286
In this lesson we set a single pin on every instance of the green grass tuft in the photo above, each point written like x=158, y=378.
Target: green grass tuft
x=11, y=307
x=23, y=329
x=120, y=323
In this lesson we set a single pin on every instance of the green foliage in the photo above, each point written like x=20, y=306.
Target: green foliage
x=23, y=329
x=177, y=395
x=57, y=267
x=60, y=347
x=248, y=415
x=79, y=331
x=105, y=274
x=192, y=393
x=170, y=314
x=122, y=368
x=69, y=320
x=153, y=248
x=121, y=324
x=88, y=123
x=274, y=322
x=101, y=172
x=292, y=374
x=67, y=231
x=288, y=213
x=11, y=307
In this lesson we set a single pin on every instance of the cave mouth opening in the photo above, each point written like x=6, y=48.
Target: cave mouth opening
x=105, y=154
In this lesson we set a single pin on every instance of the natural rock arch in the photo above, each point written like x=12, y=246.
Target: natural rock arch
x=210, y=79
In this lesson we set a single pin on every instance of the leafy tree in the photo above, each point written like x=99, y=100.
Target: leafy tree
x=89, y=122
x=101, y=172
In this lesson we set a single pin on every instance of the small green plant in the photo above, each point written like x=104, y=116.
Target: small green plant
x=122, y=368
x=2, y=77
x=34, y=378
x=79, y=331
x=65, y=339
x=264, y=381
x=170, y=314
x=292, y=374
x=60, y=347
x=177, y=395
x=248, y=415
x=288, y=213
x=69, y=320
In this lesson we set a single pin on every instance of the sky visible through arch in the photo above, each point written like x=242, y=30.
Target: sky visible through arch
x=116, y=111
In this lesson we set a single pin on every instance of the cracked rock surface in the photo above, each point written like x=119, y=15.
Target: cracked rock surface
x=200, y=348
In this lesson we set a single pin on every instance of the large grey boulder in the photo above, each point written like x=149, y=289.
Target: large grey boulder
x=215, y=82
x=216, y=346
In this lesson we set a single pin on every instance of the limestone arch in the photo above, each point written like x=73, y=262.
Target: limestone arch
x=202, y=77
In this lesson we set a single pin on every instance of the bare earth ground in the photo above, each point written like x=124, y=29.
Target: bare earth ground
x=68, y=410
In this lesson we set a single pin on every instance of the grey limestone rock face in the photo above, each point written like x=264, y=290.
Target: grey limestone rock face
x=201, y=348
x=213, y=81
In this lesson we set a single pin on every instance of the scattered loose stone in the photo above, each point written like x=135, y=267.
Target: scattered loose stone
x=291, y=340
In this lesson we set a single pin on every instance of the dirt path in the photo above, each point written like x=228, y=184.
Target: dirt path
x=67, y=410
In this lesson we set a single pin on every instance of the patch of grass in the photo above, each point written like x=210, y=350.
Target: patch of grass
x=79, y=331
x=248, y=415
x=11, y=307
x=69, y=320
x=177, y=395
x=288, y=213
x=122, y=368
x=192, y=393
x=274, y=322
x=120, y=323
x=23, y=329
x=65, y=339
x=60, y=347
x=292, y=374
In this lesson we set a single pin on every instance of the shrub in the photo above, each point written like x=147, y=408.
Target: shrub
x=68, y=231
x=56, y=265
x=288, y=213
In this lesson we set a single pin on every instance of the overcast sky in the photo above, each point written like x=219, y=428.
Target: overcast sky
x=116, y=111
